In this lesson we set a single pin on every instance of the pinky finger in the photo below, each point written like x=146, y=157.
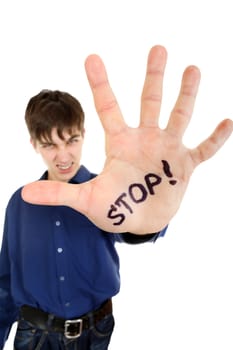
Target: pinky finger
x=213, y=143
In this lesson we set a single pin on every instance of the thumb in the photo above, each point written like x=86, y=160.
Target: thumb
x=56, y=193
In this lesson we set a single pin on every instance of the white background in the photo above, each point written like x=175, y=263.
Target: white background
x=176, y=294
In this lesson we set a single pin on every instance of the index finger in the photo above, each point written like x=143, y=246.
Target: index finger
x=105, y=101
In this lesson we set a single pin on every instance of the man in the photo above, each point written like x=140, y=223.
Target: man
x=58, y=265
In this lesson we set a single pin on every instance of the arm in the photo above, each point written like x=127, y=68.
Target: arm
x=147, y=169
x=8, y=310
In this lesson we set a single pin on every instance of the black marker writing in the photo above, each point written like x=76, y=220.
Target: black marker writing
x=167, y=172
x=151, y=181
x=137, y=193
x=113, y=215
x=120, y=201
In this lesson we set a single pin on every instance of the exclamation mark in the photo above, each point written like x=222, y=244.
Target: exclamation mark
x=167, y=172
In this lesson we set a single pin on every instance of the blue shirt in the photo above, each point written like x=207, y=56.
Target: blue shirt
x=55, y=259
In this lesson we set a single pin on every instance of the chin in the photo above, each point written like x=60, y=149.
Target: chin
x=67, y=177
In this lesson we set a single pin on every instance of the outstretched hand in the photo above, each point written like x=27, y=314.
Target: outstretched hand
x=147, y=169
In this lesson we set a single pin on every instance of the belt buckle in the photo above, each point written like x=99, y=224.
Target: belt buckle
x=73, y=328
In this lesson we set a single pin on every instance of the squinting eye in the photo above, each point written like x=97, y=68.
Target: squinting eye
x=47, y=145
x=73, y=140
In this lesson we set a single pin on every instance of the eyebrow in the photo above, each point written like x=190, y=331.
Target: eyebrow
x=50, y=142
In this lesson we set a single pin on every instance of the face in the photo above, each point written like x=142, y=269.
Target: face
x=62, y=157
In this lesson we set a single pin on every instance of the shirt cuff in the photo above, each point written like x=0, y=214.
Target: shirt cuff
x=132, y=238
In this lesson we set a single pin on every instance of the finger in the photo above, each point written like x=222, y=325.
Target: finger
x=104, y=98
x=183, y=109
x=213, y=143
x=57, y=193
x=152, y=89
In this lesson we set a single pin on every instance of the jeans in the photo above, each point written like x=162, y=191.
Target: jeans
x=96, y=338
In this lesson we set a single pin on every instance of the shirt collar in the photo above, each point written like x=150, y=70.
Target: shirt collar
x=82, y=175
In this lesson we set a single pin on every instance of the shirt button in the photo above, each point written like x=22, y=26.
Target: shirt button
x=67, y=304
x=62, y=278
x=59, y=250
x=57, y=223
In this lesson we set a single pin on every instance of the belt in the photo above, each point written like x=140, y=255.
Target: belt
x=70, y=328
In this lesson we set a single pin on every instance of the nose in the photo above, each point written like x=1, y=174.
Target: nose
x=62, y=154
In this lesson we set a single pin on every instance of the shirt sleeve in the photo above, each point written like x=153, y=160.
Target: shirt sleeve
x=8, y=310
x=132, y=238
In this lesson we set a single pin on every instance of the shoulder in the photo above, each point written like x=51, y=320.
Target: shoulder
x=83, y=175
x=16, y=195
x=15, y=198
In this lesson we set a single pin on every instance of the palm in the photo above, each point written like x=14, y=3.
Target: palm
x=147, y=169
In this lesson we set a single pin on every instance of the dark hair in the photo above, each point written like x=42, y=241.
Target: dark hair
x=53, y=109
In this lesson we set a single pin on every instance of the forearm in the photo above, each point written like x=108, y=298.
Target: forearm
x=8, y=311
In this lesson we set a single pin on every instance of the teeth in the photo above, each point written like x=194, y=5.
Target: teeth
x=64, y=167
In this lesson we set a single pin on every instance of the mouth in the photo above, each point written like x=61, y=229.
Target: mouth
x=65, y=167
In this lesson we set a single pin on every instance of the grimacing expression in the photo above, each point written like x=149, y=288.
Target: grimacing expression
x=61, y=155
